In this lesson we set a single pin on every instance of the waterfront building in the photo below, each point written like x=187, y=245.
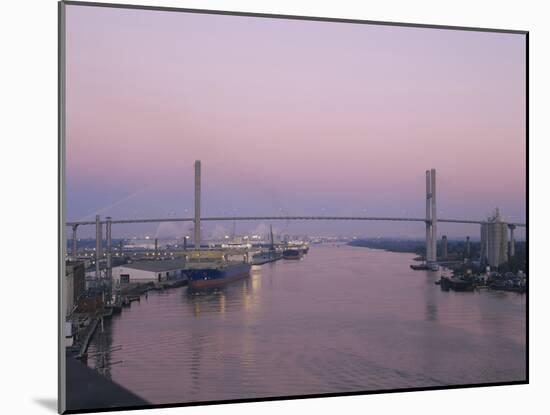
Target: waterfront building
x=494, y=241
x=148, y=271
x=75, y=284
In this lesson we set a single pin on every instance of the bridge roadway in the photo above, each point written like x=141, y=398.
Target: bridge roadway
x=267, y=218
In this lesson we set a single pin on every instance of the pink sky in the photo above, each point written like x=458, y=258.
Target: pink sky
x=291, y=116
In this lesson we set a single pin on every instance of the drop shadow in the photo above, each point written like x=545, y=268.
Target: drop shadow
x=48, y=403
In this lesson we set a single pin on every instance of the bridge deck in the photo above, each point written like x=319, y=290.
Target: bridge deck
x=266, y=218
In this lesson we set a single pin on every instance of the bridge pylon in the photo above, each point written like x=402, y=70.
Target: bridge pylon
x=197, y=219
x=431, y=217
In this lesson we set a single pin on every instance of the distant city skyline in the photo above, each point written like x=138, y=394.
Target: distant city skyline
x=290, y=118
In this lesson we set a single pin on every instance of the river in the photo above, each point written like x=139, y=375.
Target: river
x=342, y=319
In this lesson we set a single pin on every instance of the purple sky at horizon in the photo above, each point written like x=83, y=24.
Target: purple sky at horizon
x=290, y=117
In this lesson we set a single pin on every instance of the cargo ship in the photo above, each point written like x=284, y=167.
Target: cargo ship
x=293, y=253
x=270, y=255
x=211, y=269
x=291, y=247
x=263, y=257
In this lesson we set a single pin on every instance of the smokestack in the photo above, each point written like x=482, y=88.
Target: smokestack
x=156, y=246
x=467, y=247
x=428, y=217
x=434, y=216
x=197, y=234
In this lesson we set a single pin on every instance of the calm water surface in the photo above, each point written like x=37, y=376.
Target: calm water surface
x=342, y=319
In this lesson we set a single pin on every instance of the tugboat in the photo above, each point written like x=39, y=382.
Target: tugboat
x=425, y=267
x=419, y=267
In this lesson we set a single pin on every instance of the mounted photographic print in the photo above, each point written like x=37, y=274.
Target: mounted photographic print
x=258, y=207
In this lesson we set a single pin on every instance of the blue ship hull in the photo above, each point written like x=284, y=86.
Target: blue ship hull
x=216, y=276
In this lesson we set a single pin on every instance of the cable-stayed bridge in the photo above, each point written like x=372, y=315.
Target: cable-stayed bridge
x=430, y=220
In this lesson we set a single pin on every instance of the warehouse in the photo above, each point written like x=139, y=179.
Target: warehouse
x=143, y=272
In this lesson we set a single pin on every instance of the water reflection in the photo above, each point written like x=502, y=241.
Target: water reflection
x=339, y=320
x=430, y=297
x=242, y=294
x=100, y=355
x=206, y=300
